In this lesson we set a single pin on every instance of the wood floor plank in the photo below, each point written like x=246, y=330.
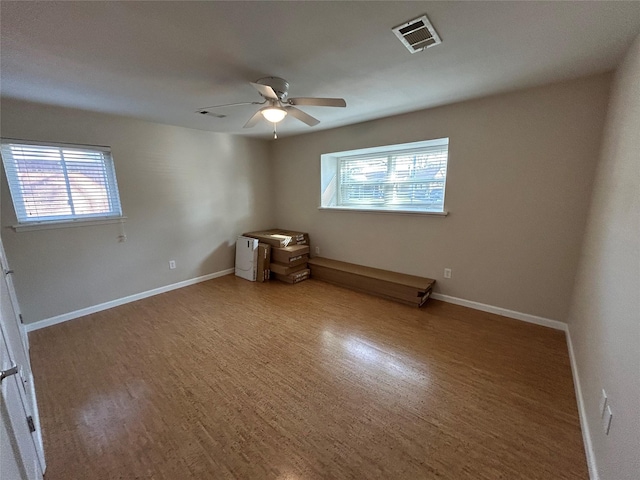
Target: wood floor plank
x=230, y=379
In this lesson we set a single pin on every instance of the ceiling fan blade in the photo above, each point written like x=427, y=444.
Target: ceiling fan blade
x=303, y=117
x=211, y=114
x=318, y=102
x=265, y=90
x=253, y=120
x=205, y=109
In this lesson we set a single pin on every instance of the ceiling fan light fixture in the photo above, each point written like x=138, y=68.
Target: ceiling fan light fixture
x=274, y=114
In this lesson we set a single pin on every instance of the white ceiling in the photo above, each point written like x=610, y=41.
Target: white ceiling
x=161, y=61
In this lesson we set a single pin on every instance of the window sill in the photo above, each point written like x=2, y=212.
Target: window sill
x=26, y=227
x=387, y=212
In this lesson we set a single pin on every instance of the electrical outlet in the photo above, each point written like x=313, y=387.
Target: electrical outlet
x=317, y=250
x=447, y=273
x=172, y=264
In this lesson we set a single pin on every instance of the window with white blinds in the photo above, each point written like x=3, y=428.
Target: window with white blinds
x=59, y=182
x=407, y=177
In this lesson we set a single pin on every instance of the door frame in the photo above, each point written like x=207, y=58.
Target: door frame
x=17, y=344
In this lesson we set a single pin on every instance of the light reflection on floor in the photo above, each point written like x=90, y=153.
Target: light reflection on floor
x=288, y=476
x=376, y=359
x=106, y=416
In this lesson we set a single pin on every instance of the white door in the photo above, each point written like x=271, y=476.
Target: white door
x=18, y=455
x=20, y=420
x=6, y=270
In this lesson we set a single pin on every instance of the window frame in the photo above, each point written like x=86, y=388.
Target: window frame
x=20, y=204
x=333, y=164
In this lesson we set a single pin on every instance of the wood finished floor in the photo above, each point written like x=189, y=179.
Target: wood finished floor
x=230, y=379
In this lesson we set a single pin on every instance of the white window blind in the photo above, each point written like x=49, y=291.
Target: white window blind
x=409, y=177
x=58, y=182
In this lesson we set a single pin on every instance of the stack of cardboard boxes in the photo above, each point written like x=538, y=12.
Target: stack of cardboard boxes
x=283, y=252
x=409, y=289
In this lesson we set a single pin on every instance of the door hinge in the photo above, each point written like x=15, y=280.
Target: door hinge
x=32, y=427
x=21, y=319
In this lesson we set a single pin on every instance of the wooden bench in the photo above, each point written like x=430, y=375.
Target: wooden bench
x=403, y=288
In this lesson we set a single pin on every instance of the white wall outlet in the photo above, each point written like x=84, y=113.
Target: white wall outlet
x=317, y=250
x=603, y=402
x=606, y=420
x=447, y=273
x=172, y=264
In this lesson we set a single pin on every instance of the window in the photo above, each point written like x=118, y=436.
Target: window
x=410, y=177
x=59, y=182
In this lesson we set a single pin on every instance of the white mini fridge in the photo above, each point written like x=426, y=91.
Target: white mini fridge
x=247, y=258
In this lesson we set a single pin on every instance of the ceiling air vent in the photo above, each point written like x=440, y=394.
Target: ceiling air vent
x=417, y=34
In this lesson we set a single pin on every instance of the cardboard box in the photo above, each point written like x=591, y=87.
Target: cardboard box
x=400, y=287
x=295, y=277
x=300, y=261
x=297, y=238
x=291, y=255
x=264, y=262
x=269, y=238
x=278, y=237
x=282, y=269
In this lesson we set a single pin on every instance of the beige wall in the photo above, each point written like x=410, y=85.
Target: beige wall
x=521, y=167
x=605, y=313
x=187, y=195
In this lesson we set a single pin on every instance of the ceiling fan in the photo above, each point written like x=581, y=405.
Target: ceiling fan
x=275, y=91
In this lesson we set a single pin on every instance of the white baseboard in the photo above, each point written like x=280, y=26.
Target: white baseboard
x=525, y=317
x=47, y=322
x=584, y=426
